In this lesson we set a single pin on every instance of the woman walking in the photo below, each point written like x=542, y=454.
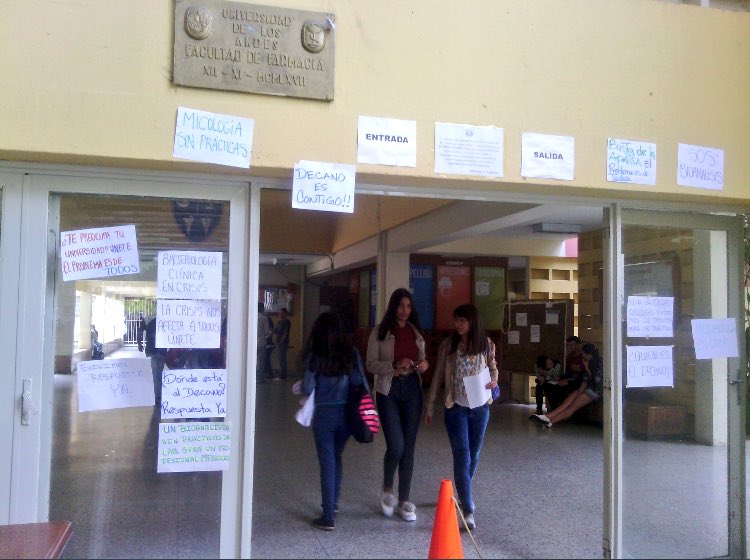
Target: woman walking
x=332, y=363
x=465, y=353
x=396, y=357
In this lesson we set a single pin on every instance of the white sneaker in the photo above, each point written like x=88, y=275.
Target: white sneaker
x=470, y=523
x=407, y=511
x=387, y=502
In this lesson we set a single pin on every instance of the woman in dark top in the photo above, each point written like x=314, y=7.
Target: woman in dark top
x=589, y=391
x=332, y=363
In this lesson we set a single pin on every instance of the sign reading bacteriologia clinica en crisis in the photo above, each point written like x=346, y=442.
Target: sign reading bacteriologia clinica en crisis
x=189, y=275
x=99, y=252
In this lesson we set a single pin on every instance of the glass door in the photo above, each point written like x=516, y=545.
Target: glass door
x=681, y=439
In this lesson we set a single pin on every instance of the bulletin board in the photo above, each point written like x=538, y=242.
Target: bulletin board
x=521, y=357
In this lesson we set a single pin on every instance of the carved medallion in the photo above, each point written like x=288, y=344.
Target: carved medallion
x=198, y=22
x=196, y=219
x=313, y=36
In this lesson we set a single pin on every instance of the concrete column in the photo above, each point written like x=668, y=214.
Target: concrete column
x=392, y=273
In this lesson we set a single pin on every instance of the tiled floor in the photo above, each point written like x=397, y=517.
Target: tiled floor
x=538, y=491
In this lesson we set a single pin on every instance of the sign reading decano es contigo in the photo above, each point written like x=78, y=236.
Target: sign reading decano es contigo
x=256, y=49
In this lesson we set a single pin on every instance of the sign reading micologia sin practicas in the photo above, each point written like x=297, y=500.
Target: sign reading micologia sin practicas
x=213, y=138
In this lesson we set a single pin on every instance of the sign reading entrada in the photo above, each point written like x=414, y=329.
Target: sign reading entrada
x=256, y=49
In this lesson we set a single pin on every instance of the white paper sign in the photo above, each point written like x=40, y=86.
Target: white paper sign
x=482, y=288
x=715, y=338
x=462, y=149
x=650, y=366
x=189, y=275
x=650, y=316
x=99, y=252
x=328, y=187
x=387, y=141
x=188, y=323
x=194, y=446
x=514, y=337
x=213, y=138
x=630, y=161
x=698, y=166
x=475, y=385
x=550, y=317
x=547, y=157
x=521, y=319
x=535, y=333
x=122, y=383
x=194, y=393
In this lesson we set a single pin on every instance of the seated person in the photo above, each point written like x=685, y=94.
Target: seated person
x=548, y=372
x=570, y=380
x=589, y=391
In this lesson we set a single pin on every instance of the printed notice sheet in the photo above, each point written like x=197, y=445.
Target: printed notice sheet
x=650, y=366
x=194, y=446
x=327, y=187
x=521, y=319
x=514, y=337
x=188, y=275
x=121, y=383
x=476, y=390
x=213, y=138
x=547, y=157
x=462, y=149
x=715, y=338
x=387, y=141
x=535, y=333
x=650, y=316
x=99, y=252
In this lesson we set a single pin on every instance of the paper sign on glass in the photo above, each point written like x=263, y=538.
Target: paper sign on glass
x=122, y=383
x=650, y=316
x=629, y=161
x=188, y=323
x=188, y=275
x=521, y=319
x=547, y=157
x=514, y=337
x=715, y=338
x=475, y=386
x=194, y=393
x=213, y=138
x=193, y=446
x=698, y=166
x=461, y=149
x=535, y=333
x=99, y=252
x=387, y=141
x=327, y=187
x=650, y=366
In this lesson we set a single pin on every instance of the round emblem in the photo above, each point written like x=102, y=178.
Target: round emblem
x=313, y=36
x=198, y=22
x=196, y=219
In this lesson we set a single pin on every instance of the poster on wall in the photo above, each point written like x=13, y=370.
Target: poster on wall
x=630, y=161
x=114, y=383
x=453, y=289
x=213, y=138
x=489, y=295
x=701, y=167
x=422, y=288
x=99, y=252
x=194, y=446
x=462, y=149
x=326, y=187
x=189, y=275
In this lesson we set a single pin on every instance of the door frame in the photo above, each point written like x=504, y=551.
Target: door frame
x=31, y=447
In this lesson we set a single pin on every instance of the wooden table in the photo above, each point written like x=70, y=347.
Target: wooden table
x=34, y=540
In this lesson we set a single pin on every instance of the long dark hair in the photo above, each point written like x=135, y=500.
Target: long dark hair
x=592, y=351
x=329, y=347
x=389, y=319
x=476, y=340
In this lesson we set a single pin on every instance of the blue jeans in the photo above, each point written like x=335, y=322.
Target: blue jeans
x=466, y=427
x=331, y=433
x=281, y=349
x=400, y=413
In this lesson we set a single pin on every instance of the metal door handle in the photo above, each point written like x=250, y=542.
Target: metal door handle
x=27, y=404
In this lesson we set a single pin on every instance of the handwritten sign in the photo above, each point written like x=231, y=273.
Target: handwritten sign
x=715, y=338
x=122, y=383
x=650, y=366
x=188, y=275
x=521, y=319
x=188, y=323
x=386, y=141
x=328, y=187
x=650, y=316
x=700, y=167
x=194, y=393
x=547, y=156
x=462, y=149
x=629, y=161
x=213, y=138
x=99, y=252
x=194, y=446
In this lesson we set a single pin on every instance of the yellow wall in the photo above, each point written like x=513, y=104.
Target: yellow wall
x=89, y=82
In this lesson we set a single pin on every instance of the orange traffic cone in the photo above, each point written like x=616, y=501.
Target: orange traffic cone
x=446, y=542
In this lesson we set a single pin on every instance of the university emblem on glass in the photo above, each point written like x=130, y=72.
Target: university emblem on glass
x=198, y=22
x=196, y=219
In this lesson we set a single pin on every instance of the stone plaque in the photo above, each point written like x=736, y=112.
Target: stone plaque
x=257, y=49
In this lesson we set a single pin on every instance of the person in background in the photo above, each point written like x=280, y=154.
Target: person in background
x=548, y=372
x=467, y=352
x=589, y=391
x=147, y=343
x=573, y=374
x=281, y=334
x=396, y=358
x=332, y=363
x=265, y=331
